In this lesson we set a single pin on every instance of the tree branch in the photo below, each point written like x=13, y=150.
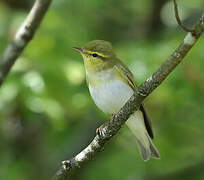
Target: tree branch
x=22, y=37
x=185, y=28
x=110, y=128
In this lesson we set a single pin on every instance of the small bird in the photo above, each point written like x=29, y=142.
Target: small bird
x=111, y=84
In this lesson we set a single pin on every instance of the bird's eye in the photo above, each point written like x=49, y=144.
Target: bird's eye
x=94, y=55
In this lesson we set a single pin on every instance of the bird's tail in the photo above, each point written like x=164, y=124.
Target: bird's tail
x=137, y=126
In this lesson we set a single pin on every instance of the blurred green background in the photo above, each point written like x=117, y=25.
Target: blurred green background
x=46, y=112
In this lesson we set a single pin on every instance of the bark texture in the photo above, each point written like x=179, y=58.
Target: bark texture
x=22, y=37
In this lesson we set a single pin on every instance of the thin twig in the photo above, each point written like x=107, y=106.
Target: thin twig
x=185, y=28
x=110, y=129
x=22, y=37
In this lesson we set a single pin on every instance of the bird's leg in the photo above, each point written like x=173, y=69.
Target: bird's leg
x=112, y=117
x=102, y=130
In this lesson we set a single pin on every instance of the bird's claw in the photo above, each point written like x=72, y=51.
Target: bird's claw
x=100, y=131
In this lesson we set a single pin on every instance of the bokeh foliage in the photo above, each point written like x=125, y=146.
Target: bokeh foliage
x=47, y=115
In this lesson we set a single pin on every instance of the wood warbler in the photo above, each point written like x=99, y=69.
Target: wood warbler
x=111, y=84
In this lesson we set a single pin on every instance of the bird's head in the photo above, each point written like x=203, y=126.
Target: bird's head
x=97, y=55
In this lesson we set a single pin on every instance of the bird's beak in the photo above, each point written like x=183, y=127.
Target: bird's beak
x=78, y=49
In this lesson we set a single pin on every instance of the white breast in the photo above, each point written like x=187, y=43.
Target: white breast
x=110, y=95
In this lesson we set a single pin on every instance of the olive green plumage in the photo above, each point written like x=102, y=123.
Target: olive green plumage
x=100, y=46
x=111, y=84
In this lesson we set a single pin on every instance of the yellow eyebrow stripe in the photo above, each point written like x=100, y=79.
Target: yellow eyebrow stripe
x=92, y=52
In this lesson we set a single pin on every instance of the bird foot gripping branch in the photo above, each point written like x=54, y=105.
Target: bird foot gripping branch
x=103, y=132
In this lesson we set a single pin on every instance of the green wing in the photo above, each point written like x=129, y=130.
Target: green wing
x=127, y=76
